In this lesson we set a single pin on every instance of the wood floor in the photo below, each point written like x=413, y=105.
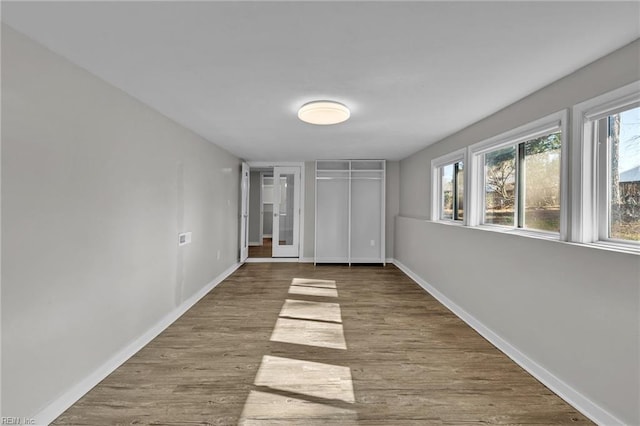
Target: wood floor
x=261, y=251
x=337, y=345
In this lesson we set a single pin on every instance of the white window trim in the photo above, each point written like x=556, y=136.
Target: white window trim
x=474, y=188
x=436, y=183
x=588, y=224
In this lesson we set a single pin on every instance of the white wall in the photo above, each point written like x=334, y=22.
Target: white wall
x=95, y=188
x=574, y=310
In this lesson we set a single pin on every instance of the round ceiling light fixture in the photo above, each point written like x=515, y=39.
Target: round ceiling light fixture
x=323, y=113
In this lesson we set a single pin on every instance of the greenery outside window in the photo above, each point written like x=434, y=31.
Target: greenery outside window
x=619, y=175
x=522, y=184
x=452, y=191
x=606, y=169
x=517, y=180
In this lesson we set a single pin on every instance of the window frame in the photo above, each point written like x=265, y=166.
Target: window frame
x=590, y=203
x=584, y=172
x=437, y=201
x=551, y=123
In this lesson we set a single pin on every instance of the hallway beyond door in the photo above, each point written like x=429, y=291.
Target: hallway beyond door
x=263, y=251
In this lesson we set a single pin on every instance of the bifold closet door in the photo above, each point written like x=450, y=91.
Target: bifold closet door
x=366, y=220
x=332, y=219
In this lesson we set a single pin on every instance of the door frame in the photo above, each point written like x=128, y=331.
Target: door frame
x=245, y=183
x=260, y=164
x=293, y=250
x=261, y=213
x=263, y=176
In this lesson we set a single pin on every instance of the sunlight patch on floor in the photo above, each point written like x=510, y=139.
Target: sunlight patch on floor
x=293, y=391
x=306, y=377
x=263, y=407
x=314, y=283
x=306, y=290
x=303, y=309
x=311, y=333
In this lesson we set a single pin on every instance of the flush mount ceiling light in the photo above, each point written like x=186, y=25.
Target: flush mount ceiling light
x=323, y=113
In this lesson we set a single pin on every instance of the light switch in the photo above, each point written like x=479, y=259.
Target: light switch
x=184, y=238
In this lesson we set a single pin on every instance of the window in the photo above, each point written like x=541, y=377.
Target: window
x=522, y=184
x=452, y=191
x=517, y=179
x=500, y=186
x=541, y=189
x=619, y=175
x=606, y=190
x=448, y=179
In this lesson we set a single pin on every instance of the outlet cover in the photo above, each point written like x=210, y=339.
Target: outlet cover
x=184, y=238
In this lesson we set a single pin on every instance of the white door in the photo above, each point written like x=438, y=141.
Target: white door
x=244, y=213
x=286, y=211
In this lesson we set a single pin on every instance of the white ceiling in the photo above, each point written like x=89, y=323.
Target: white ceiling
x=411, y=72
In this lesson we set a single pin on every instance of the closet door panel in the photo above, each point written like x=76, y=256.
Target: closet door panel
x=332, y=220
x=366, y=219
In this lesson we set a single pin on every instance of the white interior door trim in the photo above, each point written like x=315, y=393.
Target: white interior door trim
x=244, y=213
x=261, y=213
x=261, y=164
x=293, y=249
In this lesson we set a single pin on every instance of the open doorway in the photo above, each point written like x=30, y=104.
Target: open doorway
x=275, y=194
x=260, y=212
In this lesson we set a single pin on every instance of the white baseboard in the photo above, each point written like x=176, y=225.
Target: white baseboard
x=279, y=260
x=272, y=260
x=57, y=407
x=254, y=243
x=559, y=387
x=311, y=260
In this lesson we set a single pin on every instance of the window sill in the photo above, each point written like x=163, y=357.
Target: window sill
x=552, y=236
x=616, y=246
x=449, y=222
x=619, y=247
